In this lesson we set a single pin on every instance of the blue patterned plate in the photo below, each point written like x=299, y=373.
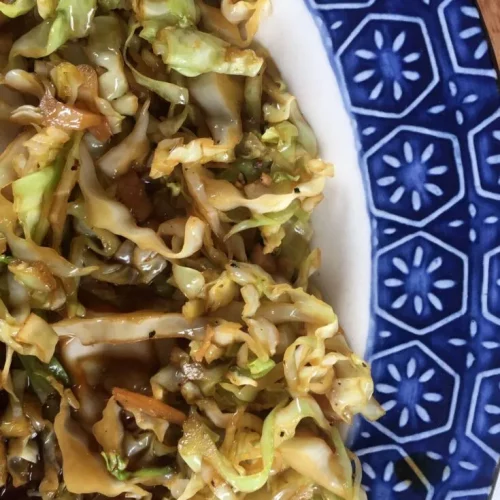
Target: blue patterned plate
x=422, y=108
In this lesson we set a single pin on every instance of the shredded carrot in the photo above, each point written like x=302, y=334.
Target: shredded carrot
x=151, y=406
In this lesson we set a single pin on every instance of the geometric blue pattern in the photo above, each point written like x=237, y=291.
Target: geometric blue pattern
x=415, y=174
x=419, y=82
x=422, y=283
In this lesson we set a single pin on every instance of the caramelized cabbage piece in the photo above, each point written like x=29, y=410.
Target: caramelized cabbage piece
x=83, y=470
x=160, y=333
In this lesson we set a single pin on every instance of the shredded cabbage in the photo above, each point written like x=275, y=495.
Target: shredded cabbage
x=161, y=333
x=106, y=213
x=197, y=445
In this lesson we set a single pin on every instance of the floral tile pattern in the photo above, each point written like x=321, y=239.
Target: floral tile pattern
x=389, y=472
x=409, y=174
x=468, y=48
x=413, y=383
x=423, y=283
x=418, y=79
x=385, y=54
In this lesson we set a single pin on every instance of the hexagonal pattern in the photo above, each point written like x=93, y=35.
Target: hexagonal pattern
x=484, y=147
x=483, y=425
x=491, y=286
x=454, y=463
x=417, y=389
x=465, y=38
x=379, y=65
x=389, y=471
x=415, y=175
x=422, y=283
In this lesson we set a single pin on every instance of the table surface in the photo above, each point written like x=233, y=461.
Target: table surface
x=491, y=15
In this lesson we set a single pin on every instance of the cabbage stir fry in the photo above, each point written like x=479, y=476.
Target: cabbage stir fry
x=160, y=337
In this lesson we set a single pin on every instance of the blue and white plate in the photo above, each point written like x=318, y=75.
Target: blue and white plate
x=404, y=98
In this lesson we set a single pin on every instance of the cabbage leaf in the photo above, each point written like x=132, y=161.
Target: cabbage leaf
x=106, y=38
x=16, y=8
x=34, y=337
x=171, y=92
x=175, y=46
x=32, y=194
x=130, y=327
x=156, y=14
x=72, y=21
x=83, y=470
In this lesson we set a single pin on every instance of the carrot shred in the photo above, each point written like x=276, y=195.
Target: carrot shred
x=151, y=406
